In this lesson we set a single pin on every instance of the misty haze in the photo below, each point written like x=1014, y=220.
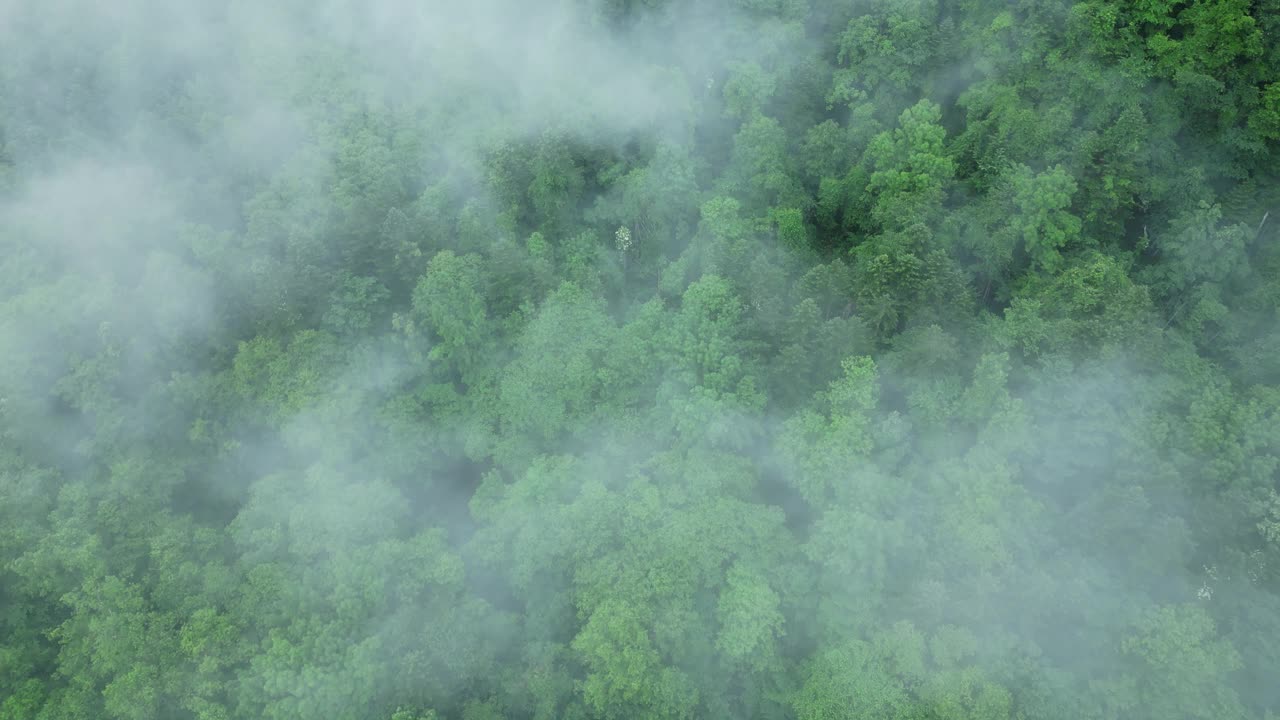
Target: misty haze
x=631, y=359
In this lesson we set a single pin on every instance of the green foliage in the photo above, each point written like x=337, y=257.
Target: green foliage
x=450, y=308
x=612, y=359
x=1187, y=664
x=625, y=676
x=747, y=90
x=910, y=171
x=1043, y=225
x=553, y=384
x=750, y=619
x=887, y=51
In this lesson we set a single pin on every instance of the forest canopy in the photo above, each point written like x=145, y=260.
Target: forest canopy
x=620, y=359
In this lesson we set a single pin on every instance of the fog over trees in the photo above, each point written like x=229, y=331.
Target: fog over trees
x=629, y=359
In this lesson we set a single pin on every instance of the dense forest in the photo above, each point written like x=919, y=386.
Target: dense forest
x=625, y=359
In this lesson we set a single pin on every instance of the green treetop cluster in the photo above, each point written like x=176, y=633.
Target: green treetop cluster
x=629, y=359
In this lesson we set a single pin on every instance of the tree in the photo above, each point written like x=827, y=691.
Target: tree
x=1041, y=221
x=750, y=620
x=910, y=172
x=887, y=51
x=450, y=309
x=758, y=170
x=553, y=384
x=747, y=90
x=626, y=676
x=732, y=359
x=851, y=682
x=1181, y=665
